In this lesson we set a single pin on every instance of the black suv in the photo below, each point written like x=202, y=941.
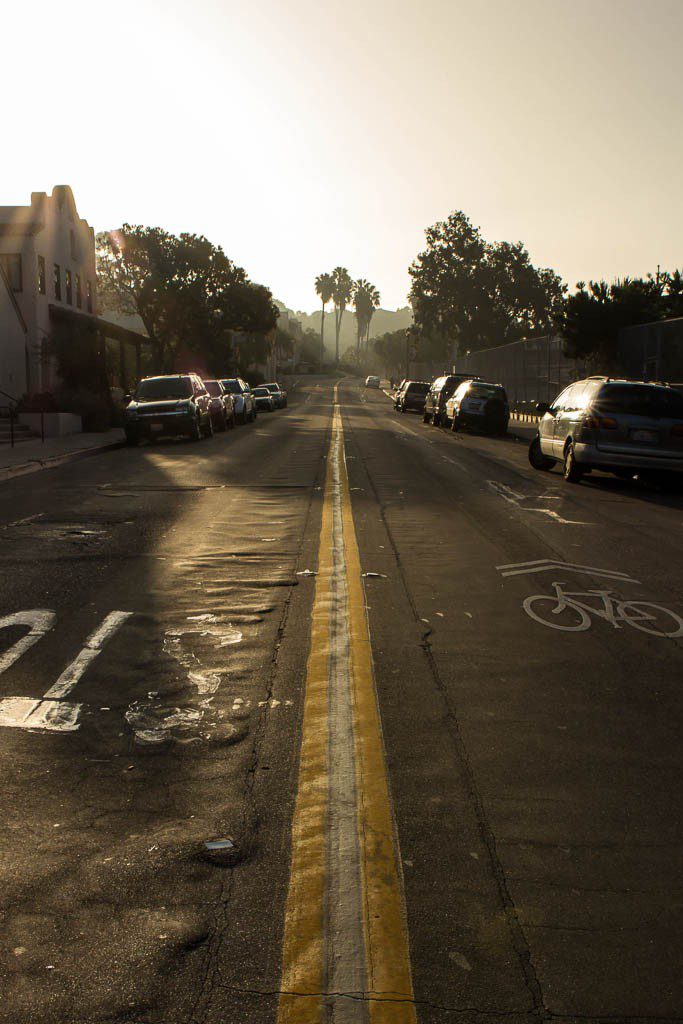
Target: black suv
x=439, y=393
x=169, y=407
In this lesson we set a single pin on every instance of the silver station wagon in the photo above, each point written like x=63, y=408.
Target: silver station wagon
x=623, y=427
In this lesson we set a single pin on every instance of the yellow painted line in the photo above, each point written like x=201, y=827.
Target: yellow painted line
x=307, y=949
x=388, y=957
x=303, y=959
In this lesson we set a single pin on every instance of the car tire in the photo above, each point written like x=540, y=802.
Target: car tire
x=208, y=429
x=455, y=425
x=223, y=425
x=572, y=470
x=425, y=417
x=436, y=419
x=537, y=459
x=196, y=431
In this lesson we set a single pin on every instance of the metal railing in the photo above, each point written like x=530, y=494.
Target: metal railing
x=14, y=419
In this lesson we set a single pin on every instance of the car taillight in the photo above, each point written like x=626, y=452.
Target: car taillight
x=677, y=431
x=600, y=423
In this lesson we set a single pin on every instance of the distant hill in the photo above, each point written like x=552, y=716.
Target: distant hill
x=384, y=320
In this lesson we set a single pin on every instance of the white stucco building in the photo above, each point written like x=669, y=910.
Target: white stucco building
x=47, y=253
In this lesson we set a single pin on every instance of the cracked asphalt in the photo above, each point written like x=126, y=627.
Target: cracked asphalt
x=535, y=772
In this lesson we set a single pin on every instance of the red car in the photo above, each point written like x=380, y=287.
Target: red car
x=221, y=405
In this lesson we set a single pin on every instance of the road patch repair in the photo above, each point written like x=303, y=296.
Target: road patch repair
x=345, y=946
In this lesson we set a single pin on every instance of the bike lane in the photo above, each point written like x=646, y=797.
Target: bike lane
x=534, y=769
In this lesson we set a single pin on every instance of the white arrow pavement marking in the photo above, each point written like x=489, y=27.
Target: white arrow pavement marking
x=546, y=564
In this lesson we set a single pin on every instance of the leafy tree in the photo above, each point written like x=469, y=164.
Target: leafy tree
x=366, y=299
x=342, y=291
x=591, y=318
x=475, y=294
x=189, y=295
x=390, y=349
x=324, y=286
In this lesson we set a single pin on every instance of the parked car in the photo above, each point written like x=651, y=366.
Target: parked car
x=264, y=399
x=222, y=405
x=372, y=381
x=279, y=394
x=439, y=393
x=168, y=407
x=245, y=406
x=478, y=405
x=623, y=427
x=411, y=396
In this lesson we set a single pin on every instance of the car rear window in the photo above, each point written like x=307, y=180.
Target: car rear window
x=640, y=400
x=418, y=389
x=487, y=391
x=213, y=387
x=164, y=387
x=262, y=391
x=231, y=386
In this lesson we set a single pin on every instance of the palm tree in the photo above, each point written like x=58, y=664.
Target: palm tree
x=324, y=286
x=341, y=293
x=366, y=300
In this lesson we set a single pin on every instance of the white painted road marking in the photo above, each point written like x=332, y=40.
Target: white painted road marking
x=641, y=615
x=513, y=498
x=51, y=712
x=41, y=620
x=93, y=645
x=546, y=564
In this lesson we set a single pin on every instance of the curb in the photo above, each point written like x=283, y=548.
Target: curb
x=57, y=460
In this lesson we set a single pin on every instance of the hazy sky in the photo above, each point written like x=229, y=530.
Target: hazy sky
x=300, y=134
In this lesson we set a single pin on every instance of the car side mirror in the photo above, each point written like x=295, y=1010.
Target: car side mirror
x=542, y=408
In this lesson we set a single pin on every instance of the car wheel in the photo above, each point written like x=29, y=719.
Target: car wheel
x=223, y=423
x=455, y=424
x=208, y=429
x=233, y=420
x=436, y=419
x=425, y=417
x=536, y=457
x=572, y=470
x=196, y=431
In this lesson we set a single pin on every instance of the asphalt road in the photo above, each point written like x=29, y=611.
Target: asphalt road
x=533, y=773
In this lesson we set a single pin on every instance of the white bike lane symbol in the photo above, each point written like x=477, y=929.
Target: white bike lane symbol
x=571, y=611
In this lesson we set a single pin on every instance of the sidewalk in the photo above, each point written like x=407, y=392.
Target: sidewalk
x=30, y=456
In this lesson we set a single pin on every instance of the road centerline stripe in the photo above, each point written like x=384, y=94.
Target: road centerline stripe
x=345, y=948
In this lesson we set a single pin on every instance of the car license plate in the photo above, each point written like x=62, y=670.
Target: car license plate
x=644, y=436
x=156, y=428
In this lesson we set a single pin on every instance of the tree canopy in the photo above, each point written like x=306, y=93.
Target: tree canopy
x=475, y=294
x=187, y=292
x=591, y=319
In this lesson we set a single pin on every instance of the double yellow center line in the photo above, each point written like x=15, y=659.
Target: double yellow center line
x=345, y=950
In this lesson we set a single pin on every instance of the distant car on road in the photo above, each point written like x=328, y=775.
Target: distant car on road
x=623, y=427
x=222, y=405
x=439, y=393
x=411, y=395
x=372, y=381
x=245, y=406
x=170, y=406
x=478, y=405
x=264, y=399
x=279, y=395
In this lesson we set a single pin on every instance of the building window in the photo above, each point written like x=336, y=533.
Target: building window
x=41, y=275
x=79, y=299
x=67, y=287
x=88, y=296
x=57, y=280
x=11, y=264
